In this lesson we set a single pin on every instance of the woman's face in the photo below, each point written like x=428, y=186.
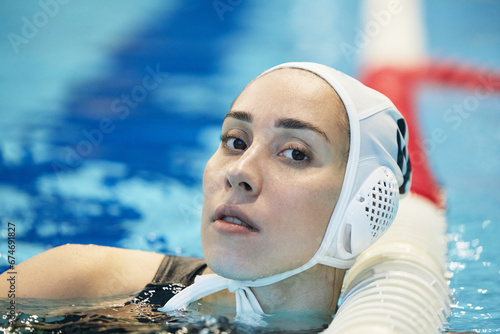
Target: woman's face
x=272, y=185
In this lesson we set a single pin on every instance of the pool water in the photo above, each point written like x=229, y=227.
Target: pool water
x=109, y=112
x=134, y=313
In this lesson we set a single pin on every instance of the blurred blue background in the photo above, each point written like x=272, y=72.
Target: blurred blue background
x=110, y=110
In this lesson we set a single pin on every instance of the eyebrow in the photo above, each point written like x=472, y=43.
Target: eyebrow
x=240, y=115
x=292, y=123
x=287, y=123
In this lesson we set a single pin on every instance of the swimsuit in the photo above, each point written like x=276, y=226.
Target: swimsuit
x=179, y=270
x=173, y=275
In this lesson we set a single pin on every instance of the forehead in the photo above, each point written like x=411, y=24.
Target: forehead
x=291, y=93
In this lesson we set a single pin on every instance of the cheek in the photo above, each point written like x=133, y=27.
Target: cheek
x=306, y=208
x=213, y=177
x=213, y=185
x=313, y=208
x=299, y=218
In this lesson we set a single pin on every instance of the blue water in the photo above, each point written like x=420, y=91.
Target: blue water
x=92, y=153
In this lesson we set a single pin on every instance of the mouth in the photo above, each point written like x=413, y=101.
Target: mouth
x=236, y=221
x=233, y=215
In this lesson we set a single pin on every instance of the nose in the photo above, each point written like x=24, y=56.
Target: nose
x=244, y=174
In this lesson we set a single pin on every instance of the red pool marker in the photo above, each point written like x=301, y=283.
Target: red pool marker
x=401, y=86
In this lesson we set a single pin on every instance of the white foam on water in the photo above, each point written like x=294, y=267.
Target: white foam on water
x=166, y=207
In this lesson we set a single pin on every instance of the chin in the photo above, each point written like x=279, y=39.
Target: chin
x=231, y=260
x=231, y=265
x=242, y=268
x=241, y=261
x=230, y=273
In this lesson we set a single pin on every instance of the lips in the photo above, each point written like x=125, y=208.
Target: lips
x=235, y=220
x=234, y=215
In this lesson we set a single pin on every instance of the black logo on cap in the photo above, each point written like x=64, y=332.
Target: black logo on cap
x=403, y=156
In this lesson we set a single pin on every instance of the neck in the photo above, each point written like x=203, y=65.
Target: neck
x=315, y=291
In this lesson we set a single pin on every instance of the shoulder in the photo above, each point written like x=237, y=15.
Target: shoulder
x=85, y=271
x=179, y=270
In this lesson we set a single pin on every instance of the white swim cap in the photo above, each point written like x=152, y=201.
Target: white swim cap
x=377, y=172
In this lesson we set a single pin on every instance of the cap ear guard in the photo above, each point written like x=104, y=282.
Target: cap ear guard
x=370, y=213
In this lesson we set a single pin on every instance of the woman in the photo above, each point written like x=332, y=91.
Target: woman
x=306, y=178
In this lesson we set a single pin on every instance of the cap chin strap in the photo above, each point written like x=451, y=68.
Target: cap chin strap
x=248, y=309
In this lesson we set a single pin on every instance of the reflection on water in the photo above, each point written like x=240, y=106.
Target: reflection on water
x=123, y=314
x=134, y=313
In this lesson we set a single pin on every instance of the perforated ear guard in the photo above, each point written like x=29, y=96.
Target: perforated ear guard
x=370, y=213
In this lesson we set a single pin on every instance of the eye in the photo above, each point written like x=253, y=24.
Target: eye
x=234, y=143
x=295, y=154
